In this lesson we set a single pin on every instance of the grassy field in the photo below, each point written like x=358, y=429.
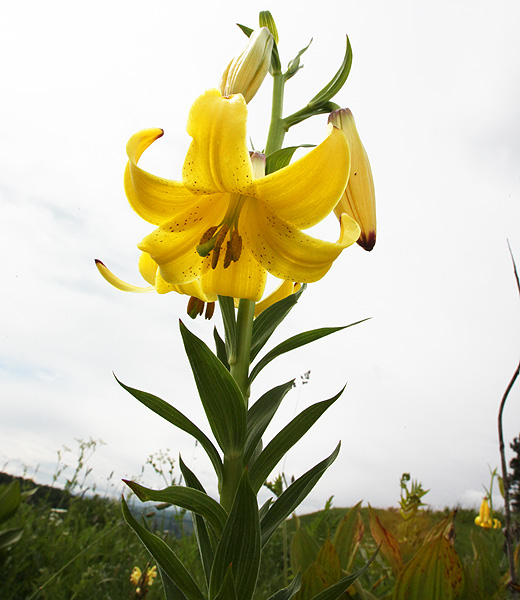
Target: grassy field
x=77, y=547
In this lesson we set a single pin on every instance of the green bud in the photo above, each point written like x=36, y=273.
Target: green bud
x=246, y=72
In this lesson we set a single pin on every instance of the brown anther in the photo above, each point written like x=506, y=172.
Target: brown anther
x=236, y=244
x=193, y=307
x=208, y=235
x=210, y=309
x=218, y=243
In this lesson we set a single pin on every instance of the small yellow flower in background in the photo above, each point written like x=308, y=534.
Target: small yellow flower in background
x=246, y=72
x=141, y=581
x=484, y=518
x=135, y=576
x=226, y=226
x=359, y=200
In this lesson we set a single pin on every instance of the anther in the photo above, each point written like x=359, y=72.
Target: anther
x=207, y=242
x=218, y=243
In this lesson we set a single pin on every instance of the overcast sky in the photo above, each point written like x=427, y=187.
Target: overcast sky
x=435, y=91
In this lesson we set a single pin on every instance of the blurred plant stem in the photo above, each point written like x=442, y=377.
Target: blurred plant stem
x=513, y=582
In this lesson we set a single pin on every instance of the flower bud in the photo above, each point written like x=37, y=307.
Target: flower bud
x=359, y=200
x=246, y=72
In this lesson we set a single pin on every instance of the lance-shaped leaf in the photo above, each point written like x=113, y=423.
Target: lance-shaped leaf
x=293, y=496
x=281, y=158
x=202, y=535
x=386, y=540
x=221, y=348
x=338, y=589
x=228, y=590
x=239, y=545
x=348, y=535
x=185, y=497
x=288, y=592
x=260, y=414
x=171, y=591
x=294, y=65
x=304, y=549
x=285, y=439
x=337, y=82
x=434, y=573
x=8, y=537
x=165, y=557
x=267, y=321
x=10, y=498
x=220, y=395
x=296, y=342
x=175, y=417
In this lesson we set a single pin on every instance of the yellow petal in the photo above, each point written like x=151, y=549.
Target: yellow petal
x=218, y=158
x=173, y=245
x=306, y=191
x=119, y=283
x=285, y=251
x=148, y=268
x=359, y=200
x=286, y=288
x=153, y=198
x=242, y=279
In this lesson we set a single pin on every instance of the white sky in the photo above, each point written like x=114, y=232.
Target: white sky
x=435, y=90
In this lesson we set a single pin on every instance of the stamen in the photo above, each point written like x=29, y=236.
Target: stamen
x=193, y=307
x=210, y=309
x=207, y=242
x=234, y=248
x=221, y=236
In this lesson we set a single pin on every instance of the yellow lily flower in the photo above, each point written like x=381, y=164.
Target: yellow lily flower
x=222, y=199
x=484, y=518
x=359, y=199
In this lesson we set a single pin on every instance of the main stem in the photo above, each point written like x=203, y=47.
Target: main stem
x=239, y=368
x=277, y=128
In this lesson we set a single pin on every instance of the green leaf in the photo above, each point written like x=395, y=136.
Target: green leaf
x=267, y=321
x=10, y=498
x=204, y=542
x=239, y=545
x=247, y=30
x=335, y=591
x=171, y=591
x=293, y=496
x=165, y=557
x=228, y=590
x=260, y=414
x=185, y=497
x=288, y=592
x=296, y=342
x=220, y=346
x=336, y=83
x=227, y=307
x=348, y=535
x=220, y=395
x=281, y=158
x=175, y=417
x=285, y=439
x=8, y=537
x=434, y=573
x=304, y=550
x=386, y=540
x=294, y=64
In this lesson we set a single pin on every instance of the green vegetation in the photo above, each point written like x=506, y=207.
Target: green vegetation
x=86, y=551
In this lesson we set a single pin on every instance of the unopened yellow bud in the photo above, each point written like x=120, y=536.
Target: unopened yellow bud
x=246, y=72
x=359, y=200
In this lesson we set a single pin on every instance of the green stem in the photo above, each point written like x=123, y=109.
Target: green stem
x=277, y=128
x=244, y=329
x=239, y=367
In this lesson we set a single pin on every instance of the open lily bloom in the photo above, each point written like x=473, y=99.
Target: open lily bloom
x=226, y=226
x=484, y=518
